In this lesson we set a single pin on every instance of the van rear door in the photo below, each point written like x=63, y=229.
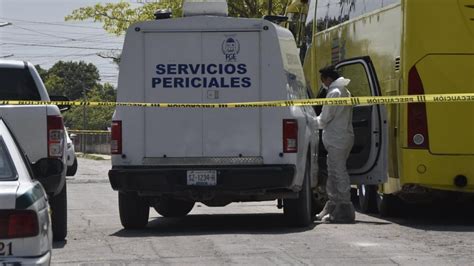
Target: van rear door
x=214, y=67
x=232, y=132
x=367, y=163
x=175, y=132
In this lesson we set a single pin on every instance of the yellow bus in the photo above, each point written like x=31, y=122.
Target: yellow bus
x=415, y=47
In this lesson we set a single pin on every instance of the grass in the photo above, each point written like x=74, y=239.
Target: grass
x=89, y=156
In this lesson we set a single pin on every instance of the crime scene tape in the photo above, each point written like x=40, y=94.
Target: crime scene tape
x=402, y=99
x=88, y=132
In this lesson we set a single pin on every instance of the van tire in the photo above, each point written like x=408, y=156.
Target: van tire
x=367, y=198
x=71, y=171
x=388, y=205
x=170, y=207
x=298, y=212
x=134, y=210
x=58, y=205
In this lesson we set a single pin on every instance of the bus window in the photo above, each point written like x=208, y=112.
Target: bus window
x=359, y=85
x=330, y=13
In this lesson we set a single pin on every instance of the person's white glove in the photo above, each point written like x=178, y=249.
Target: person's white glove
x=315, y=123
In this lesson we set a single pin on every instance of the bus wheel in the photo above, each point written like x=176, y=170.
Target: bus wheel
x=367, y=198
x=388, y=205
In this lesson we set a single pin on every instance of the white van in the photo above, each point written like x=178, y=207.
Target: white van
x=171, y=158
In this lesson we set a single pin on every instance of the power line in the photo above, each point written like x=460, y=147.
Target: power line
x=59, y=46
x=49, y=23
x=42, y=33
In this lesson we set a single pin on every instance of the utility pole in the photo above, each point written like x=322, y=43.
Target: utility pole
x=84, y=120
x=270, y=7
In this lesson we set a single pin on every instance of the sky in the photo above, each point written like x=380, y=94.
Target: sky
x=39, y=34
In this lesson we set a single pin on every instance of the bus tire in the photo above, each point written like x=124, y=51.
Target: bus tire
x=298, y=212
x=368, y=198
x=134, y=210
x=170, y=207
x=58, y=205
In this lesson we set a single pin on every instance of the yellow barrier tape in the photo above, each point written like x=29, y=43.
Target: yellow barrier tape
x=429, y=98
x=91, y=132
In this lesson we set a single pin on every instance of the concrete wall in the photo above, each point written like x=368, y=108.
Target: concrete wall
x=92, y=143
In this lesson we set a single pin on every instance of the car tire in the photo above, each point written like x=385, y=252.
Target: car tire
x=170, y=207
x=388, y=205
x=71, y=171
x=134, y=210
x=58, y=205
x=298, y=212
x=367, y=198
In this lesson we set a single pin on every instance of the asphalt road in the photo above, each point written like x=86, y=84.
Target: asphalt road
x=253, y=233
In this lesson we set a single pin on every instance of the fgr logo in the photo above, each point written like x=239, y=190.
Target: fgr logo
x=230, y=48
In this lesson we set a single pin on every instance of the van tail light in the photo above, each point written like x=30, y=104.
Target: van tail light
x=56, y=136
x=18, y=224
x=290, y=135
x=116, y=138
x=417, y=119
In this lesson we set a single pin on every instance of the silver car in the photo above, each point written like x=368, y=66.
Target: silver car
x=25, y=222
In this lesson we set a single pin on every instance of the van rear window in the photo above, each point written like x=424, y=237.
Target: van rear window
x=17, y=84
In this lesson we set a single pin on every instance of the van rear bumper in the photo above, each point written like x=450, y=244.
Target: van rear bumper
x=172, y=179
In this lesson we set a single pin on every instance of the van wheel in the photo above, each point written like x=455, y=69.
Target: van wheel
x=170, y=207
x=368, y=198
x=388, y=205
x=71, y=171
x=58, y=205
x=134, y=210
x=298, y=211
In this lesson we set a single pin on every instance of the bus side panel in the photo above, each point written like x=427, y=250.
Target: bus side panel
x=439, y=43
x=378, y=35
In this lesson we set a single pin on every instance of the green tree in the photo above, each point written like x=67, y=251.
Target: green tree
x=117, y=17
x=70, y=78
x=98, y=118
x=42, y=72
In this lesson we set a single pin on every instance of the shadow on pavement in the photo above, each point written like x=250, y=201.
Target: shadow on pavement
x=437, y=216
x=213, y=224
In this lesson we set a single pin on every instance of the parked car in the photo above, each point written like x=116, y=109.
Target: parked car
x=25, y=223
x=39, y=129
x=71, y=159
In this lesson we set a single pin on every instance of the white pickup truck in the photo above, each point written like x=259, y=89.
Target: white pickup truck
x=39, y=130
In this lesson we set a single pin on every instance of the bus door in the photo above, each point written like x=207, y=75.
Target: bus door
x=367, y=163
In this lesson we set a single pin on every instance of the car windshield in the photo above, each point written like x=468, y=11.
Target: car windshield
x=7, y=169
x=17, y=84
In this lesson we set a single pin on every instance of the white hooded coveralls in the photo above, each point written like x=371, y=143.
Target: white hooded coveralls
x=338, y=139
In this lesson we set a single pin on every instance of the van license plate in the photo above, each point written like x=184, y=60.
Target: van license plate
x=202, y=178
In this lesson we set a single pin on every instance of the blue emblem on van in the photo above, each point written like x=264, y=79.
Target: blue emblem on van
x=230, y=48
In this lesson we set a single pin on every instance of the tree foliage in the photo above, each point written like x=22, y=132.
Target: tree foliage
x=71, y=79
x=117, y=17
x=97, y=118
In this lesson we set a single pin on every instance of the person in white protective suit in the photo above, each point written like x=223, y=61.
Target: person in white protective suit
x=338, y=138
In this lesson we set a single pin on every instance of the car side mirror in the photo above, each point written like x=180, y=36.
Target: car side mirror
x=48, y=172
x=56, y=98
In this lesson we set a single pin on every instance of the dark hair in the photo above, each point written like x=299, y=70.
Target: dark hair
x=329, y=72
